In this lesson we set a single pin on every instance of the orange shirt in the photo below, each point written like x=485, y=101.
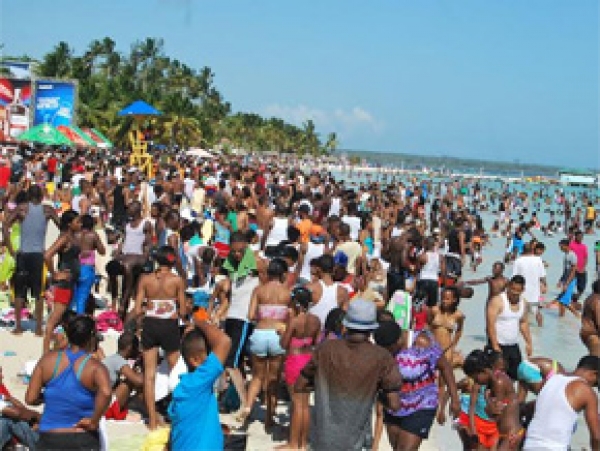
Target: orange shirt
x=304, y=228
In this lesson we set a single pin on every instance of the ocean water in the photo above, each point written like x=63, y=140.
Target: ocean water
x=559, y=337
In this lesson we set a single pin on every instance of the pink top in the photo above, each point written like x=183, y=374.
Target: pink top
x=581, y=251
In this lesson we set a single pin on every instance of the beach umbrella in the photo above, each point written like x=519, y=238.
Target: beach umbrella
x=139, y=108
x=74, y=136
x=45, y=134
x=107, y=144
x=99, y=139
x=84, y=135
x=200, y=153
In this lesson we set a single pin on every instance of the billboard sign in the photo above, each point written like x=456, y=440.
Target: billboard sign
x=17, y=69
x=54, y=102
x=15, y=104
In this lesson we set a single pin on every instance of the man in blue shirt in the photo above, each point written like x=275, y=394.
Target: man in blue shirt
x=194, y=412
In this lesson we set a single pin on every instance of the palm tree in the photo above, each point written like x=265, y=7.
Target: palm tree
x=332, y=143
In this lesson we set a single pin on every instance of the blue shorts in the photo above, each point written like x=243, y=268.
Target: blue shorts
x=565, y=297
x=265, y=343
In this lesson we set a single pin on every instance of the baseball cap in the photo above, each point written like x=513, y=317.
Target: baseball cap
x=340, y=259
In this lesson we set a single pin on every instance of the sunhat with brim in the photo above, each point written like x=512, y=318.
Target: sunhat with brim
x=361, y=315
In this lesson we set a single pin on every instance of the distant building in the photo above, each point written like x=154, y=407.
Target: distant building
x=575, y=177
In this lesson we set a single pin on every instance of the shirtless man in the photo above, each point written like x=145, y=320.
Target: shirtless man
x=496, y=282
x=590, y=321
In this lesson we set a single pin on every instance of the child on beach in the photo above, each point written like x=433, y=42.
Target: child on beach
x=193, y=410
x=480, y=366
x=476, y=257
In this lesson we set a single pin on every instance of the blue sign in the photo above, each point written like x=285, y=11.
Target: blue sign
x=54, y=102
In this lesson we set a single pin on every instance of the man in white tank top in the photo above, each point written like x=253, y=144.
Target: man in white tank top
x=326, y=294
x=506, y=318
x=558, y=405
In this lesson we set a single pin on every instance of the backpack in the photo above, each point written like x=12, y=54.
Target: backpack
x=109, y=320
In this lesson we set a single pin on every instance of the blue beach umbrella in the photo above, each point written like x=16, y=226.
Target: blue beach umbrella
x=139, y=108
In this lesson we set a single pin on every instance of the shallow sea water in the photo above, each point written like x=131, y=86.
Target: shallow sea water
x=558, y=338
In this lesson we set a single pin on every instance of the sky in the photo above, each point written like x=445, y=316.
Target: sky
x=506, y=80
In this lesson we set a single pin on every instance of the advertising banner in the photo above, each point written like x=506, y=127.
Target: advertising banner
x=15, y=104
x=54, y=102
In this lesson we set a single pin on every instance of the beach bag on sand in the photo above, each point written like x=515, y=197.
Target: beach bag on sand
x=109, y=320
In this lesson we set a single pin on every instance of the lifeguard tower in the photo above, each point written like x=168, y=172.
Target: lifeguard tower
x=139, y=146
x=140, y=157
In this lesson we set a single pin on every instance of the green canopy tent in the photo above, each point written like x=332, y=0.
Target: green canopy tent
x=45, y=134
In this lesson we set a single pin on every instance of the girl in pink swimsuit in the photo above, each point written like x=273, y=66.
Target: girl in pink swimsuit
x=300, y=336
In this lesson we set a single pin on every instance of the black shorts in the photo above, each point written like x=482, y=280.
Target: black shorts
x=453, y=267
x=238, y=331
x=432, y=291
x=418, y=423
x=581, y=281
x=512, y=357
x=68, y=440
x=29, y=275
x=161, y=333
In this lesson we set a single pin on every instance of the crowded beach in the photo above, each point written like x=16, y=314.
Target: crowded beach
x=255, y=302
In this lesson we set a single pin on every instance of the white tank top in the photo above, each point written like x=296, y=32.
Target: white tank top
x=75, y=202
x=334, y=208
x=507, y=323
x=134, y=239
x=554, y=420
x=327, y=302
x=279, y=232
x=241, y=293
x=431, y=269
x=312, y=251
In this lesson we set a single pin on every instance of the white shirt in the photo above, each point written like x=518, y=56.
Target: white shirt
x=354, y=223
x=531, y=267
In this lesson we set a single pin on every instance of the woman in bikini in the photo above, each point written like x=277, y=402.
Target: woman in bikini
x=446, y=323
x=301, y=334
x=164, y=295
x=270, y=309
x=502, y=398
x=590, y=321
x=89, y=244
x=66, y=273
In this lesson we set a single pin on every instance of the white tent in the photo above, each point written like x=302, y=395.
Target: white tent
x=197, y=152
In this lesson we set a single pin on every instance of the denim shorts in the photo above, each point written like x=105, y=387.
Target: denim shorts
x=265, y=343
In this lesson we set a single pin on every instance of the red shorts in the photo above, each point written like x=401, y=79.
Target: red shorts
x=62, y=295
x=114, y=412
x=487, y=431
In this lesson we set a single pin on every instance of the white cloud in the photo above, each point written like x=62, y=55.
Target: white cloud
x=339, y=120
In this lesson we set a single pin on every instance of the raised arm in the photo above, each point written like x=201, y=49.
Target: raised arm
x=218, y=341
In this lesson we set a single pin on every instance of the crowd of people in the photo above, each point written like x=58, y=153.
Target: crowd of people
x=237, y=277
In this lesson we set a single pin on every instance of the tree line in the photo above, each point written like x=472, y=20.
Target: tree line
x=195, y=113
